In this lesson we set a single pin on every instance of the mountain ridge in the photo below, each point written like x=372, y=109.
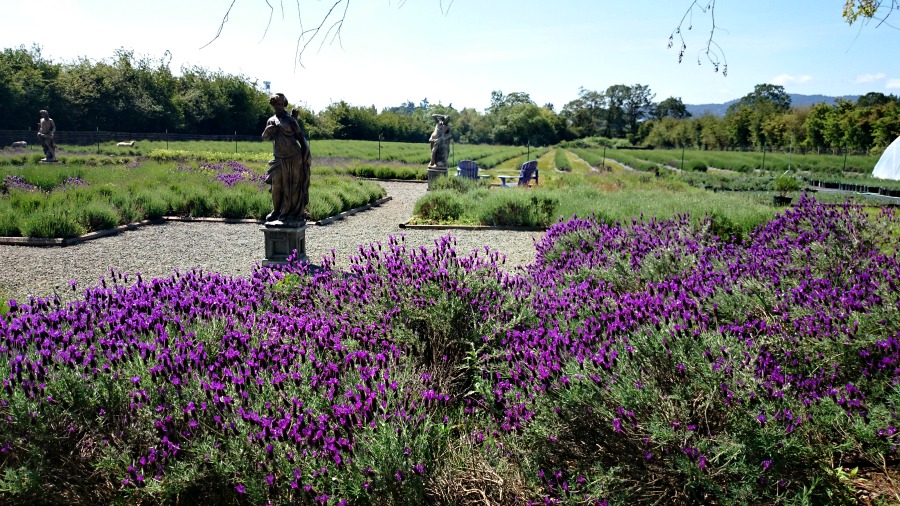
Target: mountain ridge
x=797, y=100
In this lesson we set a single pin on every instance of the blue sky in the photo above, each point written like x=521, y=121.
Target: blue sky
x=393, y=51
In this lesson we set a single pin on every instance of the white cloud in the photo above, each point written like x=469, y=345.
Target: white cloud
x=869, y=78
x=789, y=79
x=893, y=84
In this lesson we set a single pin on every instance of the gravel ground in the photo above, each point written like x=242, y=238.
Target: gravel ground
x=233, y=249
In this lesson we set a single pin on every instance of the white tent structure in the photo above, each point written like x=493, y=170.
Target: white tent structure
x=888, y=166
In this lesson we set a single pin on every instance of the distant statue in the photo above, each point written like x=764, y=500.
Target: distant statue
x=289, y=170
x=46, y=131
x=440, y=141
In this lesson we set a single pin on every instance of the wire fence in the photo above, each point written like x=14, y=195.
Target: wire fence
x=8, y=137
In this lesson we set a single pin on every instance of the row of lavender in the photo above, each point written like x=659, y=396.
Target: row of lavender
x=631, y=363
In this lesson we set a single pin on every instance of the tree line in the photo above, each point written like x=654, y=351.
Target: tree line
x=130, y=93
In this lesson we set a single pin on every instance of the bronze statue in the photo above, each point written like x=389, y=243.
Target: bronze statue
x=46, y=130
x=289, y=170
x=440, y=141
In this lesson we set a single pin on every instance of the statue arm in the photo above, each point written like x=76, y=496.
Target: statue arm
x=270, y=131
x=298, y=134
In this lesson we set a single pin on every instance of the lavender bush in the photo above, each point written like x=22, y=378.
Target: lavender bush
x=632, y=363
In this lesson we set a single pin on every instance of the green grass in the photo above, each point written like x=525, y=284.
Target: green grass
x=118, y=194
x=617, y=195
x=561, y=160
x=417, y=153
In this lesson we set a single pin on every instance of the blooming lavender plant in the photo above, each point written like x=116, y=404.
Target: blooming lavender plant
x=631, y=362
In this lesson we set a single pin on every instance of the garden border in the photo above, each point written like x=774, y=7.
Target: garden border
x=471, y=227
x=69, y=241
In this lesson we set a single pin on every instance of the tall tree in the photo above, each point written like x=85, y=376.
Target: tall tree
x=671, y=107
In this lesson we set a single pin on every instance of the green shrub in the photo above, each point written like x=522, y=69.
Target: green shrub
x=518, y=208
x=457, y=184
x=10, y=221
x=259, y=204
x=323, y=204
x=698, y=166
x=785, y=184
x=233, y=205
x=440, y=205
x=197, y=202
x=384, y=172
x=26, y=202
x=153, y=204
x=129, y=209
x=52, y=223
x=98, y=216
x=561, y=160
x=366, y=171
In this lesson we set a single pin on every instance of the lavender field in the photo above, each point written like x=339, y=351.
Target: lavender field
x=632, y=363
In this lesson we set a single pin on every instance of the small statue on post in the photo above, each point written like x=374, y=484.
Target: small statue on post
x=46, y=131
x=440, y=142
x=289, y=169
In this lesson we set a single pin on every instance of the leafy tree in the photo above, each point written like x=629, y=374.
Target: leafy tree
x=671, y=107
x=637, y=105
x=27, y=85
x=874, y=98
x=583, y=114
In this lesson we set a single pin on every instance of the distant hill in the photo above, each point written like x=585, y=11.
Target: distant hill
x=797, y=100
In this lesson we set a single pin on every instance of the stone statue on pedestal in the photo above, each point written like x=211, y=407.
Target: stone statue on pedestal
x=440, y=142
x=289, y=169
x=46, y=130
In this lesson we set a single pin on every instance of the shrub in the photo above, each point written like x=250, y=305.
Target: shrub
x=698, y=166
x=323, y=204
x=10, y=221
x=197, y=202
x=785, y=184
x=518, y=208
x=153, y=204
x=440, y=205
x=52, y=223
x=457, y=184
x=561, y=160
x=98, y=216
x=233, y=205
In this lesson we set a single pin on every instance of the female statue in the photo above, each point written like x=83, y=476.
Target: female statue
x=440, y=141
x=289, y=170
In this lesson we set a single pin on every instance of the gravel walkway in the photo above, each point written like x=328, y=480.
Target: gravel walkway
x=233, y=249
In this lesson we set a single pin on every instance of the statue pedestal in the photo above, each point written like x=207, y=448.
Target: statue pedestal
x=281, y=241
x=434, y=173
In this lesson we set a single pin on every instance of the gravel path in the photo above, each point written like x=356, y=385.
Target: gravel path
x=157, y=250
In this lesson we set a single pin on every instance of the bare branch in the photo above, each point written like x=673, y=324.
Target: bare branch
x=447, y=10
x=271, y=12
x=221, y=25
x=328, y=29
x=314, y=32
x=713, y=51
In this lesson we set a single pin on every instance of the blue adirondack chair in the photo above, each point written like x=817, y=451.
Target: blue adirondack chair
x=529, y=171
x=467, y=169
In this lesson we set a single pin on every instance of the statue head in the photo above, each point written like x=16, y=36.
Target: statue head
x=44, y=114
x=278, y=101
